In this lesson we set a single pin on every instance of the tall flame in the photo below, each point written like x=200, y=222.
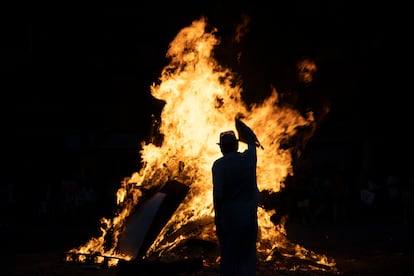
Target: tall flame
x=201, y=100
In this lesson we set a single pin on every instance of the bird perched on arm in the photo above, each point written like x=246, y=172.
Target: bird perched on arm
x=246, y=134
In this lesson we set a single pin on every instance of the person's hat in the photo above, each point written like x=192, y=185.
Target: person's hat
x=227, y=137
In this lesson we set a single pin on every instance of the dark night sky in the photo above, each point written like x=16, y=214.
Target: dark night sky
x=87, y=70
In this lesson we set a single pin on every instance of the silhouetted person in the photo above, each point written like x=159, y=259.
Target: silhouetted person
x=235, y=195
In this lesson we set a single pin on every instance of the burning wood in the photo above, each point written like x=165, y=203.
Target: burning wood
x=201, y=99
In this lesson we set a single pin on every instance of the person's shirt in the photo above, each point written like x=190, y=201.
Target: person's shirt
x=235, y=189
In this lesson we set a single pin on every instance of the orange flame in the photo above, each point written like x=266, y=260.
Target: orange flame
x=201, y=100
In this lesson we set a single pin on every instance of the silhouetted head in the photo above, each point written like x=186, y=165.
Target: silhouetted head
x=228, y=142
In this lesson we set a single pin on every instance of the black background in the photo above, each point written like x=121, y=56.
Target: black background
x=75, y=80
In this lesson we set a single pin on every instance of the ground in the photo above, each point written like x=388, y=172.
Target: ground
x=358, y=248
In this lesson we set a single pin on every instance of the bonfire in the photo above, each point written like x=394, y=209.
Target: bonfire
x=201, y=99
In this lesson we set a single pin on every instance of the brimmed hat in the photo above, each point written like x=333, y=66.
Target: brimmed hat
x=227, y=137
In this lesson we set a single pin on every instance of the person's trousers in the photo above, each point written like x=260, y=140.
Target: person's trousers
x=238, y=252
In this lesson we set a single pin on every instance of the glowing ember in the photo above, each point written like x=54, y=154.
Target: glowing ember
x=201, y=100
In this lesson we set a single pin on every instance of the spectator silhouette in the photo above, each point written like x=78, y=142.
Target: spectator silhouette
x=236, y=196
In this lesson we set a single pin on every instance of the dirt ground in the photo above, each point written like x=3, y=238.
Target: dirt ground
x=357, y=248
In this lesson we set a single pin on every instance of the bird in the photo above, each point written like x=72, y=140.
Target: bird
x=246, y=134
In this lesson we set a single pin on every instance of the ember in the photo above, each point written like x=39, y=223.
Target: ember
x=201, y=99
